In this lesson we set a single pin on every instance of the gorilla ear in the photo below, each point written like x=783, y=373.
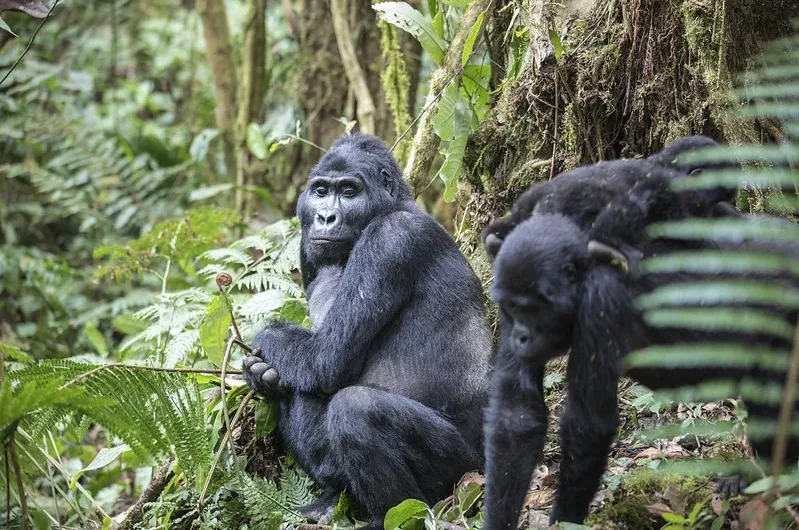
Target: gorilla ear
x=607, y=254
x=388, y=182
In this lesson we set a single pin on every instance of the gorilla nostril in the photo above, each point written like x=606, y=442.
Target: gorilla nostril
x=522, y=339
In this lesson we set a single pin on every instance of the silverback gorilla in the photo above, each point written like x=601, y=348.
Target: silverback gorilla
x=557, y=293
x=384, y=395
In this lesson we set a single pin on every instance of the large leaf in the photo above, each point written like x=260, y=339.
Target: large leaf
x=721, y=292
x=706, y=355
x=721, y=320
x=403, y=512
x=733, y=230
x=34, y=8
x=256, y=142
x=214, y=328
x=103, y=458
x=468, y=46
x=406, y=18
x=715, y=261
x=5, y=26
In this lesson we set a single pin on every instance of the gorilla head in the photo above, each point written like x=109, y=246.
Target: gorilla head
x=538, y=284
x=354, y=182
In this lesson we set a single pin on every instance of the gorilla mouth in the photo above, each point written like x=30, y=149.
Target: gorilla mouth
x=328, y=239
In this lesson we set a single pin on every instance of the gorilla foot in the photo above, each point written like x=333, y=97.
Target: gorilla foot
x=731, y=486
x=259, y=376
x=321, y=510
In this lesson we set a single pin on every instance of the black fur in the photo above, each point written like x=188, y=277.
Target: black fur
x=582, y=193
x=592, y=314
x=384, y=396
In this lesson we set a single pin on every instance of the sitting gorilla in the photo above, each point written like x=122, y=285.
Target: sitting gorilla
x=383, y=397
x=583, y=192
x=557, y=293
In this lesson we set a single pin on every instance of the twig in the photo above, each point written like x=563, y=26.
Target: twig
x=30, y=43
x=207, y=371
x=786, y=411
x=23, y=501
x=366, y=105
x=222, y=444
x=151, y=493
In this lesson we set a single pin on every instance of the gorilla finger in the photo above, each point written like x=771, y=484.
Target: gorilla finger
x=257, y=370
x=270, y=377
x=256, y=352
x=250, y=361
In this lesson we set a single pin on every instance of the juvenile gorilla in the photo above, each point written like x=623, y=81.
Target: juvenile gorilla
x=383, y=397
x=556, y=293
x=582, y=193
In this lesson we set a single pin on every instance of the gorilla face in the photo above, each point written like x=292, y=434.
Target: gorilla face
x=356, y=181
x=337, y=205
x=538, y=285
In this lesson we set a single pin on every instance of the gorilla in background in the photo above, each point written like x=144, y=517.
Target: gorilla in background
x=556, y=293
x=582, y=193
x=384, y=395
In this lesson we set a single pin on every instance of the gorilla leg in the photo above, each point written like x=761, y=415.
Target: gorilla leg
x=587, y=429
x=391, y=448
x=302, y=422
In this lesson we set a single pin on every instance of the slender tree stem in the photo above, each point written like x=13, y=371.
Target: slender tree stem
x=30, y=43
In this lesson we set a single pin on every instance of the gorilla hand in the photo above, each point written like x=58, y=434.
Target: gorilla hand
x=260, y=377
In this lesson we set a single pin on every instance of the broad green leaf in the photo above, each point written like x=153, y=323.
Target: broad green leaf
x=96, y=338
x=554, y=38
x=4, y=25
x=468, y=496
x=673, y=517
x=266, y=415
x=720, y=292
x=404, y=511
x=468, y=46
x=129, y=324
x=256, y=142
x=450, y=171
x=721, y=319
x=103, y=458
x=214, y=328
x=432, y=7
x=438, y=23
x=199, y=146
x=458, y=3
x=573, y=526
x=406, y=18
x=445, y=121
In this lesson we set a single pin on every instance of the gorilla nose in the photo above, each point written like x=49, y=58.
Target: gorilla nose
x=326, y=218
x=520, y=337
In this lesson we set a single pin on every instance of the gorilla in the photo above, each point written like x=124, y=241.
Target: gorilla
x=558, y=291
x=582, y=193
x=383, y=397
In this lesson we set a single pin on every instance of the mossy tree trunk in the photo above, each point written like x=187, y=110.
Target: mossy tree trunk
x=223, y=71
x=632, y=76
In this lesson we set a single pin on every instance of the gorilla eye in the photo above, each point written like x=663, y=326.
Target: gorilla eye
x=320, y=191
x=349, y=191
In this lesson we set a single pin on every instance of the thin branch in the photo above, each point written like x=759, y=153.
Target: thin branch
x=366, y=105
x=786, y=411
x=151, y=493
x=23, y=501
x=222, y=445
x=30, y=43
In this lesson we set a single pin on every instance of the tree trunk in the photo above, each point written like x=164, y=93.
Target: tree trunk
x=252, y=91
x=222, y=62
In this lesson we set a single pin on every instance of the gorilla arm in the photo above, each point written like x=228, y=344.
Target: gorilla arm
x=376, y=284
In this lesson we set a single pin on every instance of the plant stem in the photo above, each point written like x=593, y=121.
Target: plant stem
x=30, y=43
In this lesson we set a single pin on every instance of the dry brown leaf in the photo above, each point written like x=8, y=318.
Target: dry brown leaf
x=670, y=451
x=537, y=499
x=753, y=514
x=657, y=509
x=472, y=476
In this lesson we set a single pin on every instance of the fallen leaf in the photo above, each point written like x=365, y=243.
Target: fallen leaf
x=472, y=476
x=538, y=499
x=657, y=509
x=753, y=514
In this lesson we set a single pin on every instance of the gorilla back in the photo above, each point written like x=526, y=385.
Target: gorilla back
x=384, y=396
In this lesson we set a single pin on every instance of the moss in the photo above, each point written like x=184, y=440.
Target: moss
x=645, y=487
x=396, y=86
